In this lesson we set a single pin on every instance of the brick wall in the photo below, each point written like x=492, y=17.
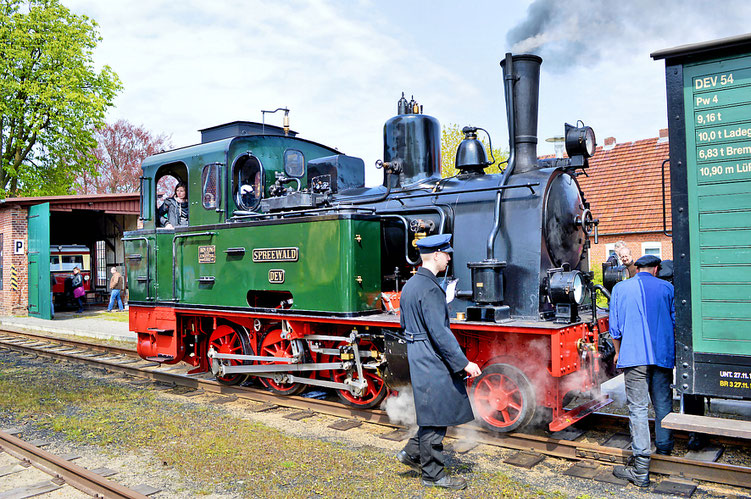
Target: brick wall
x=598, y=252
x=14, y=225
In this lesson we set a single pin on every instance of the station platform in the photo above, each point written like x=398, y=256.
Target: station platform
x=94, y=323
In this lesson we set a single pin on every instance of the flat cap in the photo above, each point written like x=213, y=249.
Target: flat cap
x=648, y=261
x=438, y=242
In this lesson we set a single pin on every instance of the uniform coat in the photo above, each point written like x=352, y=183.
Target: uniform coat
x=436, y=361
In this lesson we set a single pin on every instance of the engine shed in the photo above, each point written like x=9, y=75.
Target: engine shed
x=39, y=235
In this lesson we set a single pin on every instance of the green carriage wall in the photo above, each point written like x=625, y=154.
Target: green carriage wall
x=717, y=97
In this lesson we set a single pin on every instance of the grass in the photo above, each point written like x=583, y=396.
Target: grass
x=210, y=447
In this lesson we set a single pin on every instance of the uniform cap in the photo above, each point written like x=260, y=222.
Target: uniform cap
x=648, y=261
x=438, y=242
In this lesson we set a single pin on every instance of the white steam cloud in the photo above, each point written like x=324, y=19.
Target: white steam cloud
x=575, y=32
x=400, y=408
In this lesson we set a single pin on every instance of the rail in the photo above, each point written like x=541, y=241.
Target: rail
x=668, y=465
x=76, y=476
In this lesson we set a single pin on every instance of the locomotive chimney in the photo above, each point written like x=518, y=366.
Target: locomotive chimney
x=526, y=90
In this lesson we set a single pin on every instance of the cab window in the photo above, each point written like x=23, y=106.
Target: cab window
x=247, y=182
x=70, y=261
x=294, y=163
x=210, y=186
x=172, y=206
x=55, y=262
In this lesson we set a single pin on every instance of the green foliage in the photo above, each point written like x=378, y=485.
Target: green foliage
x=451, y=137
x=51, y=97
x=602, y=301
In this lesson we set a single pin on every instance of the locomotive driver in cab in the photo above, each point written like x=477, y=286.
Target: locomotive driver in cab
x=436, y=363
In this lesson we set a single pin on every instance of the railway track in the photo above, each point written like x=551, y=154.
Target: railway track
x=60, y=470
x=590, y=456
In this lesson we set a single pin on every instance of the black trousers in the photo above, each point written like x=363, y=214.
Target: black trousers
x=427, y=448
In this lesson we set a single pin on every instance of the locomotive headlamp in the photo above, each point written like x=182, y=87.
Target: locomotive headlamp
x=566, y=287
x=612, y=275
x=580, y=140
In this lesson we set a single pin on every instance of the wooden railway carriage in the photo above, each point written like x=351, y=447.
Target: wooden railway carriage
x=709, y=104
x=289, y=269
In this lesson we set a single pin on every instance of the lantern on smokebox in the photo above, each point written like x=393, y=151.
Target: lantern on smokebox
x=580, y=140
x=567, y=290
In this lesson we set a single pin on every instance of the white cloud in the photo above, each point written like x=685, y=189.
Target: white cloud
x=341, y=66
x=193, y=65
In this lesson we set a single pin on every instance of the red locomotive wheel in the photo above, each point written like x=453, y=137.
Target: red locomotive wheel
x=374, y=393
x=273, y=345
x=231, y=340
x=503, y=398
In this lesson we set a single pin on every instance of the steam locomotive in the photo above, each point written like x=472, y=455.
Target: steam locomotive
x=290, y=269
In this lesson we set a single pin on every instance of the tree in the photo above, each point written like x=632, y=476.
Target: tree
x=451, y=137
x=121, y=148
x=51, y=97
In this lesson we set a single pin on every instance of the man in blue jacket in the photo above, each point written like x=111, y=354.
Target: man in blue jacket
x=436, y=363
x=642, y=323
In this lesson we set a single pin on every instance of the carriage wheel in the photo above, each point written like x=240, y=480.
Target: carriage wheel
x=231, y=340
x=273, y=345
x=503, y=398
x=375, y=392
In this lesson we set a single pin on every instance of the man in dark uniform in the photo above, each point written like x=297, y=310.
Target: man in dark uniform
x=436, y=364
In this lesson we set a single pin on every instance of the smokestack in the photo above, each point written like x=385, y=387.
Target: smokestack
x=526, y=90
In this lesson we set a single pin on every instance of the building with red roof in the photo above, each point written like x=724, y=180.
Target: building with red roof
x=624, y=186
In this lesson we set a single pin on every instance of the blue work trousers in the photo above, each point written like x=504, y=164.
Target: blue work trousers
x=115, y=295
x=643, y=383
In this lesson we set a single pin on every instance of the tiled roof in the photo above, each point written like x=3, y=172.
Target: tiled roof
x=624, y=186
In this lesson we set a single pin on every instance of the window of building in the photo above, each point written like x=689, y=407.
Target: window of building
x=652, y=248
x=294, y=163
x=609, y=250
x=210, y=186
x=101, y=264
x=247, y=182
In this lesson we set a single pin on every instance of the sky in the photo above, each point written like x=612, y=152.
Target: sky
x=341, y=66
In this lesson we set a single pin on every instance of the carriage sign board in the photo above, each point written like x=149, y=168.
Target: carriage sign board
x=709, y=103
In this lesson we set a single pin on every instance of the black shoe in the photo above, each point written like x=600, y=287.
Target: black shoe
x=696, y=441
x=447, y=482
x=404, y=458
x=638, y=474
x=664, y=452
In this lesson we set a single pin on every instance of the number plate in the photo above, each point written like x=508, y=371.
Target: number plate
x=276, y=276
x=207, y=254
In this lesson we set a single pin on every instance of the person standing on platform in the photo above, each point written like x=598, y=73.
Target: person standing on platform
x=436, y=363
x=116, y=286
x=642, y=324
x=76, y=284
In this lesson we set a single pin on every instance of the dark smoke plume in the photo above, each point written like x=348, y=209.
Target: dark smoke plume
x=573, y=32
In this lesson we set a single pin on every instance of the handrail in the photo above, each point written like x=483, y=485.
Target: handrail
x=664, y=214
